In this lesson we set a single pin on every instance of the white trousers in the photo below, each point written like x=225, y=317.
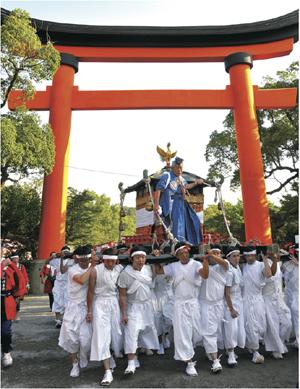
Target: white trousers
x=75, y=333
x=107, y=331
x=163, y=311
x=140, y=330
x=255, y=320
x=60, y=296
x=234, y=329
x=212, y=317
x=295, y=315
x=186, y=325
x=279, y=324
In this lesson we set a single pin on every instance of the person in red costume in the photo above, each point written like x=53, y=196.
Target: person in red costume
x=15, y=258
x=13, y=285
x=47, y=275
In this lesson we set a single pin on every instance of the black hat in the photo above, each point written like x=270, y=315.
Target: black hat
x=82, y=251
x=65, y=248
x=110, y=251
x=177, y=161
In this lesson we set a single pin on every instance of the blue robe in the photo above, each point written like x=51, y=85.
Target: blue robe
x=185, y=224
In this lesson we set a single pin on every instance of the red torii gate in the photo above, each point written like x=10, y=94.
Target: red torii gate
x=236, y=45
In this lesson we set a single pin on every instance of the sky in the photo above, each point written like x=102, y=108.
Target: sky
x=108, y=147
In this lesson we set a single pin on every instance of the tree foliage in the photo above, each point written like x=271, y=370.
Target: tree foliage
x=283, y=217
x=279, y=137
x=214, y=220
x=92, y=219
x=21, y=208
x=27, y=145
x=24, y=59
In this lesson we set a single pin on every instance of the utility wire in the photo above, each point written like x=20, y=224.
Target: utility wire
x=103, y=171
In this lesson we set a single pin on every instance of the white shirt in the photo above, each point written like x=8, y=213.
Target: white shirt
x=187, y=279
x=76, y=291
x=212, y=288
x=142, y=293
x=106, y=282
x=56, y=264
x=253, y=278
x=234, y=279
x=291, y=276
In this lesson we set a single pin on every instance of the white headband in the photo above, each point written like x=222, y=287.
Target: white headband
x=250, y=252
x=216, y=249
x=14, y=256
x=84, y=256
x=115, y=257
x=233, y=252
x=138, y=253
x=180, y=248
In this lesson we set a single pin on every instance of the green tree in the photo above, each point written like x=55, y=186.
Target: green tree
x=25, y=61
x=284, y=218
x=279, y=136
x=92, y=219
x=21, y=208
x=214, y=220
x=27, y=146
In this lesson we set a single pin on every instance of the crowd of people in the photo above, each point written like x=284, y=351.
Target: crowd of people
x=106, y=308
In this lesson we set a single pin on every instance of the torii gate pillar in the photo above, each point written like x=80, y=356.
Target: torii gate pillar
x=54, y=204
x=255, y=203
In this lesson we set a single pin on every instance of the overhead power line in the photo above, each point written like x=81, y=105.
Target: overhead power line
x=103, y=171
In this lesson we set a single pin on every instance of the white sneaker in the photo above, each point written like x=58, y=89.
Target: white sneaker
x=137, y=363
x=277, y=355
x=75, y=370
x=7, y=360
x=130, y=369
x=216, y=367
x=112, y=363
x=257, y=357
x=231, y=359
x=107, y=379
x=58, y=323
x=166, y=342
x=190, y=369
x=161, y=349
x=149, y=352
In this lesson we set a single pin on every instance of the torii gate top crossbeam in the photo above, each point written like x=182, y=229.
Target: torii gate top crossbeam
x=264, y=39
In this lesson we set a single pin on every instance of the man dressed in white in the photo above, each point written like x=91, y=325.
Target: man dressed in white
x=279, y=322
x=290, y=271
x=60, y=290
x=255, y=274
x=75, y=334
x=163, y=303
x=137, y=312
x=234, y=327
x=104, y=313
x=187, y=277
x=212, y=306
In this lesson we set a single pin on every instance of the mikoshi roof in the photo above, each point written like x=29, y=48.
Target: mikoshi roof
x=189, y=177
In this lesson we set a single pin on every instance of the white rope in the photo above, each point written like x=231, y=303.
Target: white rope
x=233, y=241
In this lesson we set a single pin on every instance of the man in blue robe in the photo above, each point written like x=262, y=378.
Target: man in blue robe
x=171, y=192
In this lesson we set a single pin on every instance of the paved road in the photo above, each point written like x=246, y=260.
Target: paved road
x=40, y=363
